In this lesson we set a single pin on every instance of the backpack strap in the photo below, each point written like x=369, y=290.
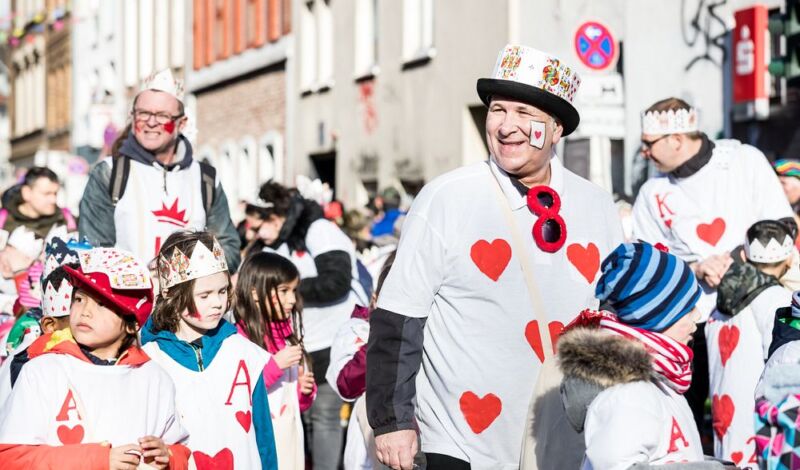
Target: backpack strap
x=120, y=168
x=208, y=185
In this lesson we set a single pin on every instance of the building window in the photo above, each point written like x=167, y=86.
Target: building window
x=366, y=39
x=308, y=47
x=316, y=46
x=417, y=30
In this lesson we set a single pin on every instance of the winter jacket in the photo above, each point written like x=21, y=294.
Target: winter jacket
x=629, y=418
x=777, y=437
x=785, y=347
x=348, y=369
x=97, y=221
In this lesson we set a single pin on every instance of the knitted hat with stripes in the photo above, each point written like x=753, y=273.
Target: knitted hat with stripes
x=787, y=167
x=646, y=287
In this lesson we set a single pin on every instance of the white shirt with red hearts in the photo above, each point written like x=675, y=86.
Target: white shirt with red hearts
x=709, y=212
x=59, y=399
x=483, y=349
x=215, y=405
x=737, y=348
x=320, y=323
x=639, y=422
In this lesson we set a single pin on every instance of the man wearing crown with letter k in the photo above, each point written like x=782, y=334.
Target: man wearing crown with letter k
x=707, y=195
x=493, y=260
x=151, y=186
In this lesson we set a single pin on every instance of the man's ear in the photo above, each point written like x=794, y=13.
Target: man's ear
x=25, y=192
x=558, y=131
x=182, y=123
x=48, y=325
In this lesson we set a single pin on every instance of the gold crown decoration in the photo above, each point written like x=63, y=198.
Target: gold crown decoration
x=773, y=252
x=178, y=268
x=164, y=81
x=673, y=121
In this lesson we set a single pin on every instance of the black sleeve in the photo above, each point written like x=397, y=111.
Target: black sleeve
x=332, y=283
x=394, y=355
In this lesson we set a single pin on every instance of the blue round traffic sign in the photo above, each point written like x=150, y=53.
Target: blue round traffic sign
x=595, y=45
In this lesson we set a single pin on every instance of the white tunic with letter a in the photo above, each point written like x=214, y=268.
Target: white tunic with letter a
x=639, y=422
x=59, y=400
x=216, y=404
x=709, y=212
x=155, y=204
x=483, y=346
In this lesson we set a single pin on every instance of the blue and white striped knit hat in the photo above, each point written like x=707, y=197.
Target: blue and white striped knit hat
x=648, y=288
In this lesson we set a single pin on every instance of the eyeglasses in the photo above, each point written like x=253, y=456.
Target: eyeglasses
x=550, y=230
x=161, y=118
x=648, y=144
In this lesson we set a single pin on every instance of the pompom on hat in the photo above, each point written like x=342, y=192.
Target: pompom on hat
x=118, y=277
x=536, y=78
x=646, y=287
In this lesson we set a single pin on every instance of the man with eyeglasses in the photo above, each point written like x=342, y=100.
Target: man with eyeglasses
x=493, y=259
x=706, y=196
x=152, y=185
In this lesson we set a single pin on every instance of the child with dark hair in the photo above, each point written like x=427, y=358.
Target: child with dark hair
x=268, y=309
x=91, y=384
x=739, y=333
x=217, y=373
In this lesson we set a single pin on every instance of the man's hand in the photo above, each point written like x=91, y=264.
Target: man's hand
x=397, y=449
x=712, y=269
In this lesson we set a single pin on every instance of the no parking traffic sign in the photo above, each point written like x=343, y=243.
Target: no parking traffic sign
x=595, y=45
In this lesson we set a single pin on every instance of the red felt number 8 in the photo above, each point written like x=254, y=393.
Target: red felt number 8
x=550, y=230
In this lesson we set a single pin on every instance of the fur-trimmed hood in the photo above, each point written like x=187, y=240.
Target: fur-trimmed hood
x=592, y=360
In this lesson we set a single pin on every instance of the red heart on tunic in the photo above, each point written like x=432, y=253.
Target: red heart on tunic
x=535, y=338
x=722, y=409
x=737, y=457
x=668, y=223
x=300, y=253
x=222, y=461
x=586, y=260
x=70, y=435
x=245, y=419
x=480, y=413
x=491, y=258
x=711, y=233
x=728, y=340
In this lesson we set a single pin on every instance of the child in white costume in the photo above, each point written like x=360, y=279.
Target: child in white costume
x=739, y=333
x=624, y=374
x=268, y=311
x=65, y=410
x=220, y=389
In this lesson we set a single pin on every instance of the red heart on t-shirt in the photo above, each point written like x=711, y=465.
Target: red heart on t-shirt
x=70, y=435
x=245, y=419
x=534, y=337
x=222, y=461
x=727, y=342
x=722, y=409
x=480, y=413
x=711, y=233
x=491, y=258
x=586, y=260
x=737, y=457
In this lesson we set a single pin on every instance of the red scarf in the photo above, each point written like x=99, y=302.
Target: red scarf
x=671, y=359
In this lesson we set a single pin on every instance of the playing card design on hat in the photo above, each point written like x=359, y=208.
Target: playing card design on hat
x=672, y=121
x=164, y=81
x=179, y=268
x=124, y=271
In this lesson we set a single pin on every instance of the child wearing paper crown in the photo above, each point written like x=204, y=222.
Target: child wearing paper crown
x=90, y=397
x=217, y=372
x=267, y=308
x=739, y=333
x=625, y=373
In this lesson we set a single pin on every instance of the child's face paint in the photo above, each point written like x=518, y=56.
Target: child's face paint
x=538, y=134
x=210, y=296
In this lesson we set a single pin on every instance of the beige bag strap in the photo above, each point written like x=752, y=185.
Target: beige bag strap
x=521, y=253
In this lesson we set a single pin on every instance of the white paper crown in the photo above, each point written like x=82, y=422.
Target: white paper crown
x=774, y=252
x=26, y=241
x=179, y=268
x=57, y=302
x=535, y=68
x=164, y=81
x=672, y=121
x=314, y=190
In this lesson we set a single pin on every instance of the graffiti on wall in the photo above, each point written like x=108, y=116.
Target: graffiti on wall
x=700, y=23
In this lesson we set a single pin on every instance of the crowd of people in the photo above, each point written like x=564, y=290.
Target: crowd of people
x=514, y=324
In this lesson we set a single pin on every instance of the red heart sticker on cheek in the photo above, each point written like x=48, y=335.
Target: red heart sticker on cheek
x=169, y=126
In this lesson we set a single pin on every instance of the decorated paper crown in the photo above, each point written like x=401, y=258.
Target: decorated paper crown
x=26, y=242
x=774, y=251
x=678, y=121
x=315, y=190
x=164, y=81
x=57, y=302
x=537, y=78
x=178, y=268
x=123, y=270
x=59, y=252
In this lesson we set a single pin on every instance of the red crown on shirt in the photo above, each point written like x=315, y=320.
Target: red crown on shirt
x=171, y=214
